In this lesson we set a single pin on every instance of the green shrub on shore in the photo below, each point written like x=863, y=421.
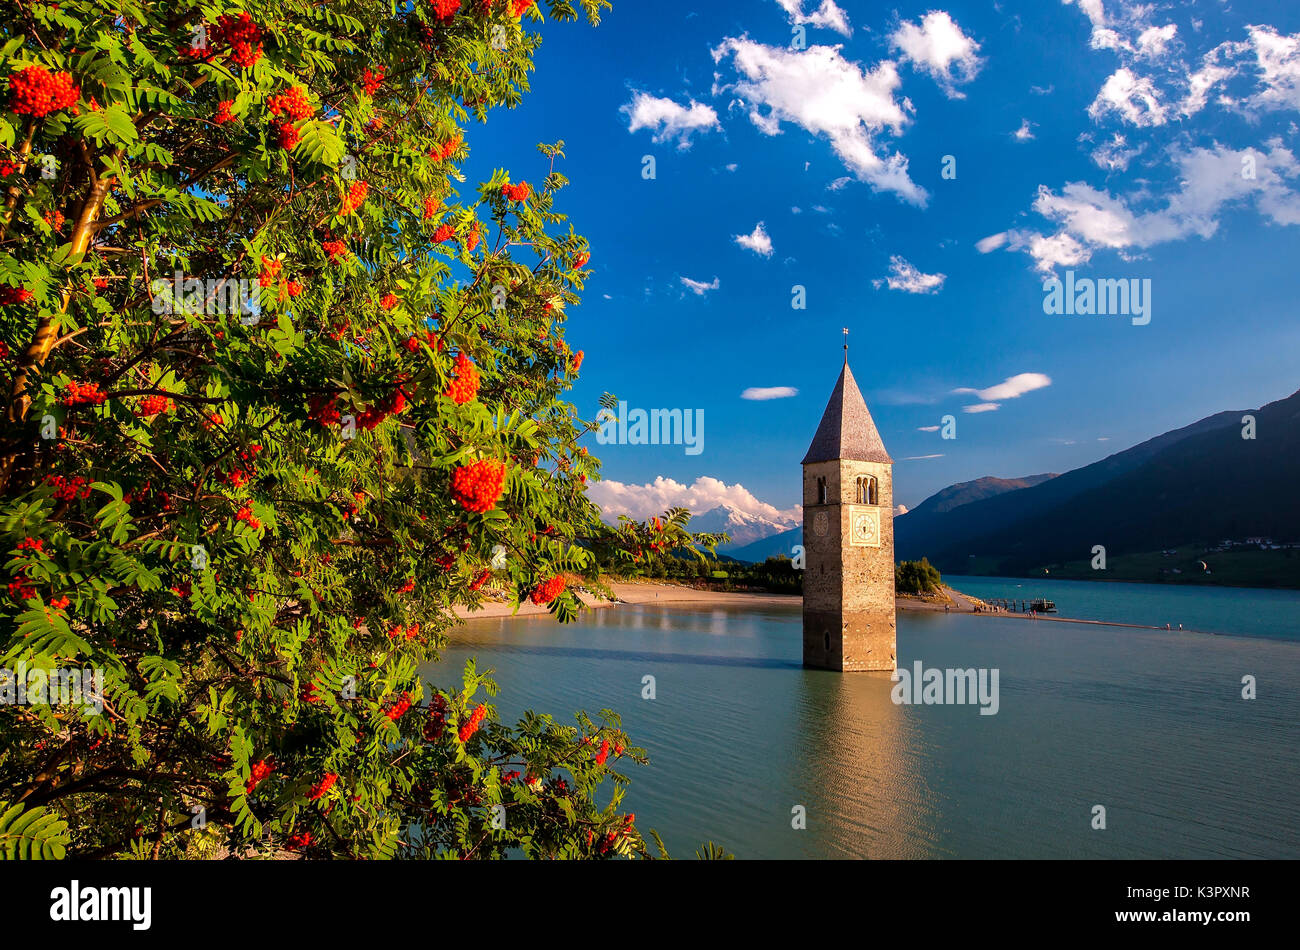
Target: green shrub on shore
x=916, y=577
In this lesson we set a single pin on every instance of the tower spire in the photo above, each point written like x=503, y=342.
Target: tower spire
x=846, y=346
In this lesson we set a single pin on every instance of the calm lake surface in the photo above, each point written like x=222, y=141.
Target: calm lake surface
x=1152, y=725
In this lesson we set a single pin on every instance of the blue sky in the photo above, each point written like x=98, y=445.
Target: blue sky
x=1137, y=123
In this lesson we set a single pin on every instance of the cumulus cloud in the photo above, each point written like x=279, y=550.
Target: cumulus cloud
x=903, y=276
x=704, y=494
x=669, y=120
x=1277, y=60
x=1155, y=82
x=769, y=392
x=825, y=94
x=1024, y=133
x=756, y=241
x=828, y=16
x=1209, y=181
x=1134, y=98
x=939, y=48
x=1013, y=387
x=1116, y=154
x=699, y=287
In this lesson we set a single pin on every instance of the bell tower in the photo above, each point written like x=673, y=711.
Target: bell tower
x=848, y=536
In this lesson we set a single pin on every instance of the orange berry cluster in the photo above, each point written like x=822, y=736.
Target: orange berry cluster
x=548, y=590
x=82, y=394
x=519, y=192
x=398, y=710
x=292, y=103
x=479, y=485
x=472, y=723
x=66, y=489
x=445, y=9
x=336, y=250
x=371, y=82
x=443, y=151
x=152, y=405
x=243, y=36
x=245, y=514
x=355, y=197
x=464, y=386
x=260, y=770
x=38, y=92
x=324, y=785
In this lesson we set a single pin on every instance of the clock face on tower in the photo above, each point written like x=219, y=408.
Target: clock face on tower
x=864, y=527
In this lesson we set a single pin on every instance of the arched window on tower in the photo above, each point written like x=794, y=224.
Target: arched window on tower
x=821, y=491
x=868, y=491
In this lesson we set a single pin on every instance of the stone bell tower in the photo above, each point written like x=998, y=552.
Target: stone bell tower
x=848, y=537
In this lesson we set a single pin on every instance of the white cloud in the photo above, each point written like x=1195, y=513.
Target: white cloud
x=1201, y=82
x=1209, y=180
x=769, y=392
x=668, y=119
x=1133, y=97
x=1154, y=40
x=838, y=183
x=921, y=458
x=939, y=47
x=827, y=16
x=1013, y=387
x=698, y=287
x=900, y=510
x=1023, y=134
x=927, y=428
x=991, y=243
x=732, y=167
x=825, y=94
x=1277, y=57
x=982, y=407
x=1115, y=155
x=704, y=494
x=903, y=276
x=756, y=241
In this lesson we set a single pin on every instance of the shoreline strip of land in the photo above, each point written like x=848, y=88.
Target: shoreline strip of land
x=665, y=594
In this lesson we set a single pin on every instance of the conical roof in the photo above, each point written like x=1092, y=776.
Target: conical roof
x=847, y=430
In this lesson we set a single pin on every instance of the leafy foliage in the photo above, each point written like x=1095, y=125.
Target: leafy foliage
x=916, y=577
x=31, y=834
x=239, y=277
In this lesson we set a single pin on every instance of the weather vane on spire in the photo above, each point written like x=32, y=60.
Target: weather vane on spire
x=846, y=346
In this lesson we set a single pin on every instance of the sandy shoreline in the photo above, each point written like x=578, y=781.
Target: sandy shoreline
x=662, y=593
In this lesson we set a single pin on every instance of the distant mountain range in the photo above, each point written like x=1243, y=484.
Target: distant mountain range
x=743, y=527
x=954, y=496
x=1204, y=482
x=764, y=548
x=1201, y=483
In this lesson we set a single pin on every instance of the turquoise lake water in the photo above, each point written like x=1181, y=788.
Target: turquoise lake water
x=1227, y=610
x=1151, y=725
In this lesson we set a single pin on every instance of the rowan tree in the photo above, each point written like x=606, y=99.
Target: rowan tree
x=283, y=390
